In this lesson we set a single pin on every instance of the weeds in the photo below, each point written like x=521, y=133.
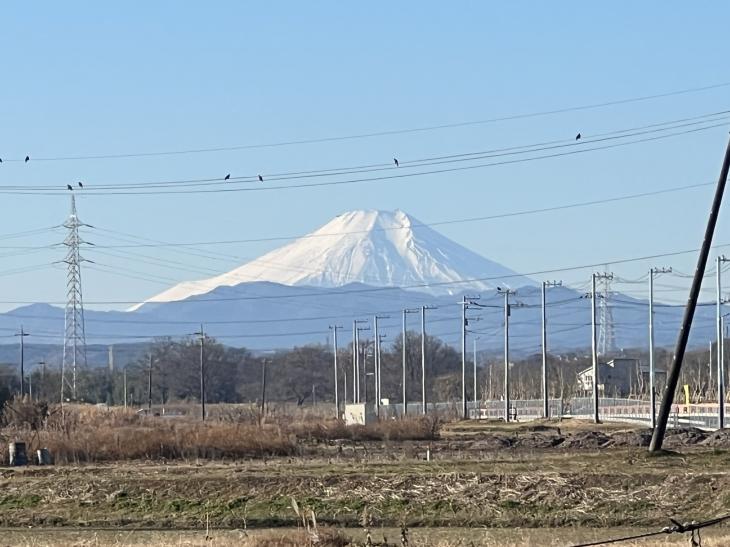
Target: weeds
x=86, y=434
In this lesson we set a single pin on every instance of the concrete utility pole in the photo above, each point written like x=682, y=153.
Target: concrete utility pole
x=354, y=361
x=405, y=357
x=263, y=389
x=149, y=386
x=358, y=330
x=464, y=322
x=376, y=350
x=334, y=329
x=22, y=334
x=124, y=385
x=545, y=394
x=201, y=334
x=720, y=347
x=652, y=368
x=423, y=357
x=506, y=293
x=465, y=302
x=475, y=393
x=379, y=362
x=356, y=358
x=673, y=376
x=594, y=348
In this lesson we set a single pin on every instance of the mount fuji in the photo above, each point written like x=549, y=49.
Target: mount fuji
x=375, y=248
x=361, y=264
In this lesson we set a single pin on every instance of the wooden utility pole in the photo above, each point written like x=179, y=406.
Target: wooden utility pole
x=657, y=438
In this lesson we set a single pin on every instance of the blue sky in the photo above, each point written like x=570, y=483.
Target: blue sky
x=86, y=78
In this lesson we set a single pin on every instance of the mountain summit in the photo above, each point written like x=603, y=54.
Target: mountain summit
x=377, y=248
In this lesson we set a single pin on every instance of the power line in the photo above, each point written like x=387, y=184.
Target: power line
x=391, y=132
x=394, y=178
x=157, y=243
x=421, y=162
x=404, y=287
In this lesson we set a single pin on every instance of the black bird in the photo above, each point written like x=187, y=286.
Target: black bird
x=577, y=137
x=70, y=187
x=395, y=160
x=27, y=159
x=1, y=160
x=261, y=179
x=81, y=184
x=228, y=176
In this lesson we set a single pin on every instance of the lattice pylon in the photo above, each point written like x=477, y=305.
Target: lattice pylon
x=606, y=335
x=74, y=338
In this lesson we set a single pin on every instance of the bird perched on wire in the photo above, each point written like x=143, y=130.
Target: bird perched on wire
x=261, y=179
x=395, y=160
x=81, y=184
x=577, y=137
x=27, y=159
x=70, y=187
x=227, y=177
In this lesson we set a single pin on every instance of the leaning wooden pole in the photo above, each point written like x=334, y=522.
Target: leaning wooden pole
x=673, y=377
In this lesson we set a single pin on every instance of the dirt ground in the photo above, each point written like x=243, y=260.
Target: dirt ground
x=432, y=537
x=489, y=484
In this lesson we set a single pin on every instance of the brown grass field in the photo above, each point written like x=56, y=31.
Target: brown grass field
x=125, y=479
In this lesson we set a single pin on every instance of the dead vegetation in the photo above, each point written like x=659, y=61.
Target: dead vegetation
x=86, y=434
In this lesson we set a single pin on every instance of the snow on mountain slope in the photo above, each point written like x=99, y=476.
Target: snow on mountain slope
x=378, y=248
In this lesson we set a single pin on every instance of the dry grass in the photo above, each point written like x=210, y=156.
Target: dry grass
x=84, y=434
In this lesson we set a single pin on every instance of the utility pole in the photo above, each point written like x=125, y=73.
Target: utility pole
x=464, y=412
x=465, y=302
x=720, y=347
x=403, y=384
x=22, y=334
x=124, y=385
x=42, y=387
x=594, y=349
x=379, y=364
x=475, y=394
x=356, y=359
x=673, y=375
x=652, y=368
x=149, y=387
x=545, y=394
x=376, y=351
x=334, y=329
x=423, y=357
x=358, y=330
x=263, y=389
x=201, y=334
x=376, y=342
x=506, y=293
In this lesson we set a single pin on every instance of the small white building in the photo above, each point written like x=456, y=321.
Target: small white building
x=360, y=414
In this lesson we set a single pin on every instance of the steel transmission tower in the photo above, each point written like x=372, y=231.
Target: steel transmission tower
x=606, y=336
x=74, y=338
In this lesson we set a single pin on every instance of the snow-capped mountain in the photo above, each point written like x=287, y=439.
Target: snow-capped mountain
x=376, y=248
